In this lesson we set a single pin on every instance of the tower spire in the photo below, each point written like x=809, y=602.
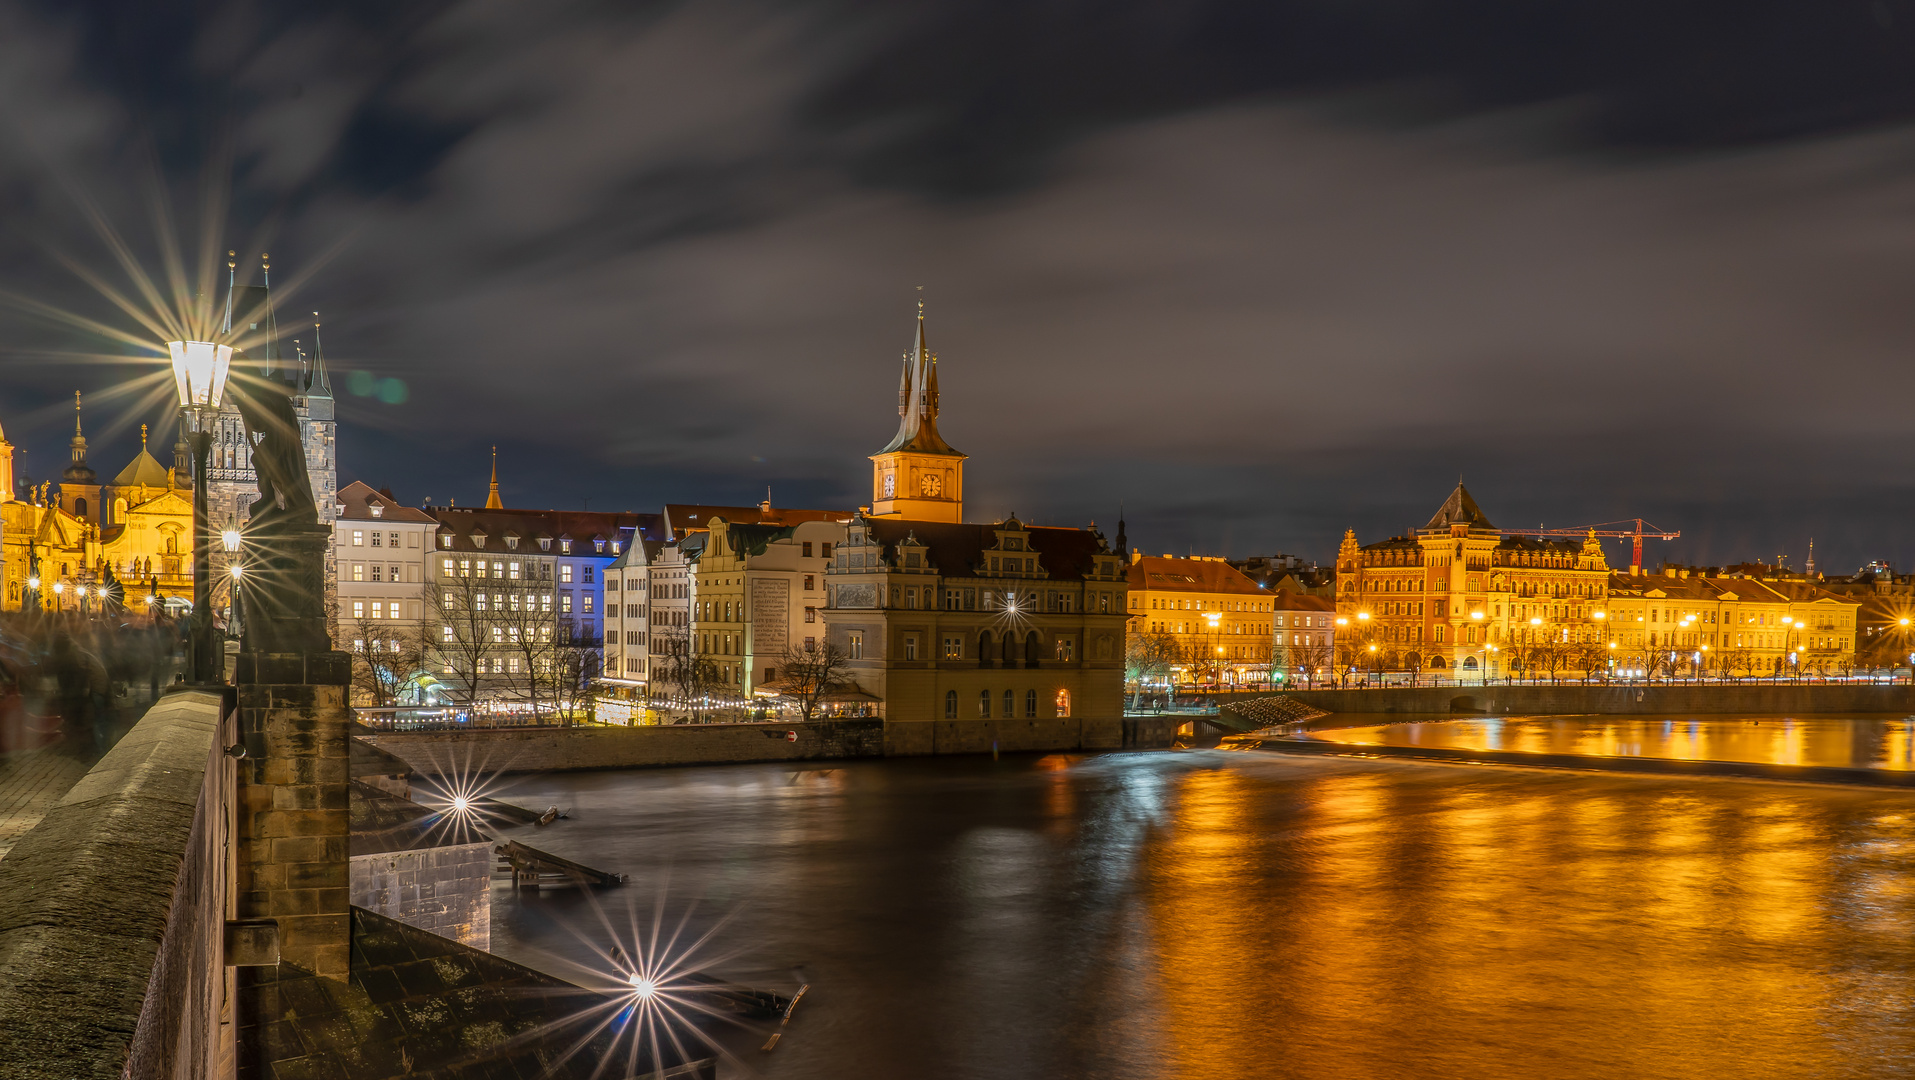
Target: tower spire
x=492, y=497
x=232, y=265
x=79, y=438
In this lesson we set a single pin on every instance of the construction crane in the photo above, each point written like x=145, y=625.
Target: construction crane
x=1641, y=530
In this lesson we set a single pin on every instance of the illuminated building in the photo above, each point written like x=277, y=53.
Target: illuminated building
x=940, y=619
x=1217, y=622
x=1303, y=646
x=760, y=591
x=918, y=476
x=1458, y=596
x=1734, y=624
x=517, y=597
x=381, y=548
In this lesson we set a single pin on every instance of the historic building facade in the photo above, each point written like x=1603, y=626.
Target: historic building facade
x=1735, y=624
x=1460, y=596
x=1216, y=622
x=939, y=619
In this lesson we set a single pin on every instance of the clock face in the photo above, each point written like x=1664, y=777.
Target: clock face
x=890, y=484
x=931, y=485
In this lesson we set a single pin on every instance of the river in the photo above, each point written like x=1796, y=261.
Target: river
x=1248, y=914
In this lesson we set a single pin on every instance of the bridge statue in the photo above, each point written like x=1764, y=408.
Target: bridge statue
x=283, y=552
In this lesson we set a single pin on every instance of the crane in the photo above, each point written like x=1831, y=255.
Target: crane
x=1641, y=530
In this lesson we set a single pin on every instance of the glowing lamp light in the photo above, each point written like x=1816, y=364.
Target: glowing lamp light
x=1475, y=614
x=1599, y=615
x=643, y=988
x=1361, y=615
x=59, y=587
x=199, y=372
x=238, y=570
x=33, y=583
x=230, y=539
x=460, y=804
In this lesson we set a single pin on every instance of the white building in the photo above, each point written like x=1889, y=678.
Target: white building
x=627, y=619
x=380, y=548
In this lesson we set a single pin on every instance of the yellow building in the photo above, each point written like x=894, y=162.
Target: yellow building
x=1459, y=596
x=136, y=531
x=918, y=475
x=1682, y=620
x=1215, y=622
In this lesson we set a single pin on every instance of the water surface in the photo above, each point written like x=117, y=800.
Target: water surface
x=1214, y=914
x=1844, y=742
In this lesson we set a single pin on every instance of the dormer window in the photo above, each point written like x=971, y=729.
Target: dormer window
x=614, y=547
x=478, y=539
x=598, y=544
x=545, y=543
x=445, y=540
x=565, y=547
x=377, y=510
x=512, y=541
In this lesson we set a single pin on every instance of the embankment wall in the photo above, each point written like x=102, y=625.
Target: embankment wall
x=1700, y=700
x=567, y=749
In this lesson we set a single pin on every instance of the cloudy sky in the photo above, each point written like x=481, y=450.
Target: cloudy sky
x=1255, y=270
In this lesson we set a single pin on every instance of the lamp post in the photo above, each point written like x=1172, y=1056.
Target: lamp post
x=199, y=374
x=230, y=540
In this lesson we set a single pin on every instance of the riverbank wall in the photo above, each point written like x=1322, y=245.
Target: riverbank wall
x=1710, y=699
x=551, y=749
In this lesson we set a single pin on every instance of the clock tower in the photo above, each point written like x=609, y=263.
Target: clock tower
x=918, y=476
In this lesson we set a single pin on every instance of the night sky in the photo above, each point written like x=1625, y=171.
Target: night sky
x=1257, y=271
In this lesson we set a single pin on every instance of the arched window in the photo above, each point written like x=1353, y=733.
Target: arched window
x=984, y=656
x=1436, y=662
x=950, y=704
x=1010, y=704
x=984, y=704
x=1030, y=703
x=1010, y=650
x=119, y=511
x=1030, y=650
x=1469, y=663
x=79, y=508
x=1063, y=703
x=172, y=542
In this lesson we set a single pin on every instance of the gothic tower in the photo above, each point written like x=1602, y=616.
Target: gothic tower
x=79, y=484
x=918, y=476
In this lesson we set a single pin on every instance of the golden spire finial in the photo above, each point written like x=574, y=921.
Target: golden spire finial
x=492, y=497
x=142, y=437
x=920, y=303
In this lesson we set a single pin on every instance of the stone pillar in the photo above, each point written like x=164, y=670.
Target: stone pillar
x=293, y=860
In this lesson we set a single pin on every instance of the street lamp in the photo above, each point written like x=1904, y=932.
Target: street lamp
x=199, y=374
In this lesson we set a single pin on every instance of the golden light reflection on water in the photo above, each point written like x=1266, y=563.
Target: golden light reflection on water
x=1394, y=920
x=1821, y=741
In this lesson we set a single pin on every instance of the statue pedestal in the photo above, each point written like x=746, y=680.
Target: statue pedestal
x=292, y=855
x=284, y=589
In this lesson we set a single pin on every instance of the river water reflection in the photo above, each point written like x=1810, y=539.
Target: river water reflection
x=1215, y=914
x=1855, y=742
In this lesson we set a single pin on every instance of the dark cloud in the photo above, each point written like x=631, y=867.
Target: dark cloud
x=1259, y=272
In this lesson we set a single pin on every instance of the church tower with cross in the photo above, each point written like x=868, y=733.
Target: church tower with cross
x=918, y=476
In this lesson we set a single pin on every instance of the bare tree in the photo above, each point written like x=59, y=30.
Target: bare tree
x=1147, y=654
x=811, y=674
x=385, y=657
x=688, y=678
x=459, y=625
x=1310, y=658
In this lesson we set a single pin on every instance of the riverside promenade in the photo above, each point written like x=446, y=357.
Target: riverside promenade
x=1680, y=699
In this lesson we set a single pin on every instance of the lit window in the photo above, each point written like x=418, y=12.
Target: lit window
x=585, y=601
x=465, y=567
x=445, y=633
x=359, y=571
x=392, y=573
x=954, y=648
x=378, y=610
x=1063, y=703
x=512, y=571
x=856, y=644
x=358, y=609
x=565, y=603
x=598, y=545
x=377, y=510
x=565, y=547
x=358, y=538
x=565, y=573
